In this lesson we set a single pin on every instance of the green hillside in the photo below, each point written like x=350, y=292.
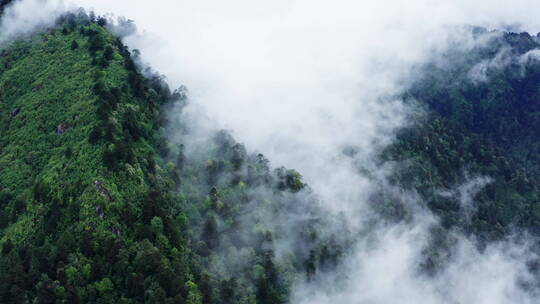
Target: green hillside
x=97, y=207
x=491, y=90
x=81, y=192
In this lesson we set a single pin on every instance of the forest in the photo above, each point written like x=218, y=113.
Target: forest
x=98, y=205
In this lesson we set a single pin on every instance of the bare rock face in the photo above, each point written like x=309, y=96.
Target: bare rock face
x=15, y=112
x=104, y=192
x=62, y=128
x=116, y=232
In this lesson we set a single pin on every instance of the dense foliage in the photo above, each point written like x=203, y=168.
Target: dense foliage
x=97, y=206
x=492, y=92
x=472, y=153
x=80, y=187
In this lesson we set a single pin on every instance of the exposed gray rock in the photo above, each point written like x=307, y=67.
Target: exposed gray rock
x=62, y=128
x=104, y=192
x=116, y=231
x=15, y=111
x=100, y=212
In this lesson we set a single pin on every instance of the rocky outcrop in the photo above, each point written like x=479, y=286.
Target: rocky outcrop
x=103, y=191
x=15, y=111
x=62, y=128
x=100, y=212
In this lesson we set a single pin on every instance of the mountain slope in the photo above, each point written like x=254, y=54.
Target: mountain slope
x=98, y=206
x=81, y=194
x=492, y=90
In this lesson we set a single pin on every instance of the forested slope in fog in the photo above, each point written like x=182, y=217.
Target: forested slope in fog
x=98, y=204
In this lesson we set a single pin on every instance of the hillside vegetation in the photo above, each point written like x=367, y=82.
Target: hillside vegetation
x=97, y=206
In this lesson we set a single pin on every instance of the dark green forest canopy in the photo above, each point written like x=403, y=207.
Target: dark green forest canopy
x=79, y=185
x=493, y=91
x=481, y=119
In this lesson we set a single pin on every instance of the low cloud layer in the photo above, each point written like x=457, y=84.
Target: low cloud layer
x=303, y=80
x=24, y=17
x=384, y=270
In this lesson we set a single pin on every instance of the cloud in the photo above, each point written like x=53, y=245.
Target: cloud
x=384, y=270
x=505, y=58
x=24, y=17
x=532, y=55
x=466, y=192
x=285, y=75
x=479, y=72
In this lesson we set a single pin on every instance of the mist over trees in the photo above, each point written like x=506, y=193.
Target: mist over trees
x=117, y=211
x=3, y=5
x=100, y=203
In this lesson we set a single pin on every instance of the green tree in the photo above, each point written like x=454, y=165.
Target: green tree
x=96, y=43
x=193, y=294
x=74, y=45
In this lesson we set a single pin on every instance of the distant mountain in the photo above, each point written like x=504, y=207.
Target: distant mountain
x=473, y=153
x=492, y=91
